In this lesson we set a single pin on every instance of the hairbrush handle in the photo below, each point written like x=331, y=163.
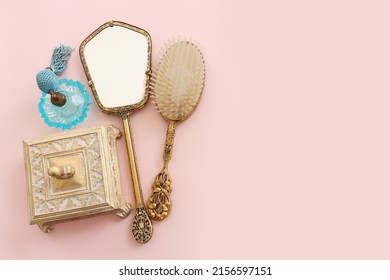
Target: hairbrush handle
x=159, y=203
x=142, y=228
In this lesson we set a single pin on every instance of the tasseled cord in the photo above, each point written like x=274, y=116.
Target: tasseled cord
x=59, y=60
x=47, y=79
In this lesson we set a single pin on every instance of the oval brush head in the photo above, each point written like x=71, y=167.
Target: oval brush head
x=178, y=80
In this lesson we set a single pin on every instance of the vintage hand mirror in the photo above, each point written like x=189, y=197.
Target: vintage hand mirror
x=116, y=59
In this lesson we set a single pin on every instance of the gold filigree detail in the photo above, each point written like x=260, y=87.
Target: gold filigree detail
x=159, y=204
x=142, y=226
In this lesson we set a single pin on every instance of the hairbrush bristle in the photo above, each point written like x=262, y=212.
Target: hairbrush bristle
x=178, y=80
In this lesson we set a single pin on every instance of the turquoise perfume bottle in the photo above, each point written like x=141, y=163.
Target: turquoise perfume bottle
x=64, y=103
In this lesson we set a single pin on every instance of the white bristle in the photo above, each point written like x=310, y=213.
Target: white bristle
x=178, y=80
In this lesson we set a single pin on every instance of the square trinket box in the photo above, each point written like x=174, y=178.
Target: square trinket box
x=73, y=175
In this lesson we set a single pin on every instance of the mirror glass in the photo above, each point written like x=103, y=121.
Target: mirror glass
x=118, y=60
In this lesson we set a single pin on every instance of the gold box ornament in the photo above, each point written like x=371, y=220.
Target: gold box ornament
x=73, y=175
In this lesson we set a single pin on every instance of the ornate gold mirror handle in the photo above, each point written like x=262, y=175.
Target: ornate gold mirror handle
x=142, y=228
x=159, y=203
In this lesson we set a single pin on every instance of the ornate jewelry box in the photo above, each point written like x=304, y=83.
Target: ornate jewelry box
x=73, y=175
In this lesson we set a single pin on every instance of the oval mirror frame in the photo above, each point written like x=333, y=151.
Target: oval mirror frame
x=118, y=109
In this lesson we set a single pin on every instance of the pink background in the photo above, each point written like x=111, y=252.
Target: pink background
x=287, y=156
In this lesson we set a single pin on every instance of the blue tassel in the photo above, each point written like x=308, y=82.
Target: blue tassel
x=47, y=79
x=59, y=60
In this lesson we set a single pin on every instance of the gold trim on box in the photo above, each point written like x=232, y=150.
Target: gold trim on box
x=73, y=175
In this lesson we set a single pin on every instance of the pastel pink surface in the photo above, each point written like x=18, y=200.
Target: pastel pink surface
x=286, y=157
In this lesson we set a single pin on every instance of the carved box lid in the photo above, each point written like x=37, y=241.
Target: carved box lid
x=73, y=175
